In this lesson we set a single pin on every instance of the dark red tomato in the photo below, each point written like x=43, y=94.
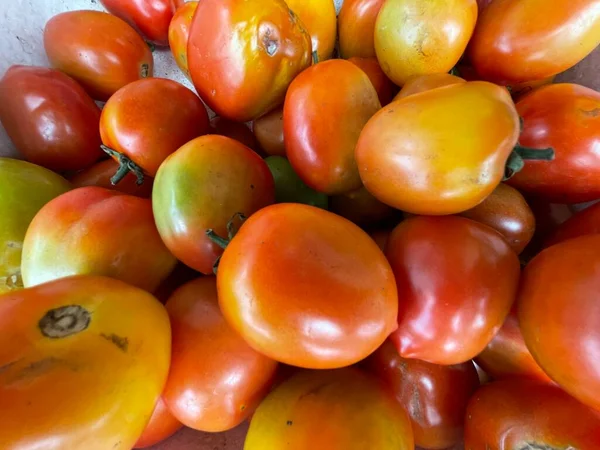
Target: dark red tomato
x=100, y=174
x=268, y=130
x=361, y=207
x=100, y=51
x=548, y=217
x=382, y=84
x=583, y=223
x=447, y=270
x=565, y=117
x=234, y=130
x=529, y=415
x=356, y=24
x=558, y=312
x=435, y=397
x=50, y=118
x=162, y=425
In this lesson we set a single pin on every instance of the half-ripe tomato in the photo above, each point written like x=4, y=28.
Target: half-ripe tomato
x=100, y=174
x=431, y=38
x=202, y=186
x=322, y=151
x=525, y=414
x=179, y=34
x=84, y=360
x=382, y=84
x=268, y=130
x=583, y=223
x=307, y=287
x=356, y=24
x=565, y=117
x=422, y=83
x=333, y=409
x=435, y=397
x=100, y=51
x=558, y=309
x=436, y=153
x=447, y=271
x=50, y=118
x=320, y=21
x=216, y=379
x=24, y=188
x=161, y=426
x=148, y=120
x=96, y=231
x=361, y=207
x=234, y=130
x=242, y=56
x=526, y=40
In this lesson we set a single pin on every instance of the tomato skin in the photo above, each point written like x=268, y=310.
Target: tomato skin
x=179, y=34
x=557, y=308
x=334, y=312
x=356, y=409
x=511, y=45
x=422, y=83
x=356, y=23
x=149, y=119
x=522, y=89
x=118, y=363
x=450, y=265
x=228, y=55
x=100, y=174
x=235, y=130
x=186, y=202
x=511, y=414
x=382, y=84
x=320, y=21
x=268, y=130
x=50, y=118
x=161, y=426
x=583, y=223
x=418, y=155
x=96, y=231
x=100, y=51
x=565, y=117
x=322, y=151
x=361, y=207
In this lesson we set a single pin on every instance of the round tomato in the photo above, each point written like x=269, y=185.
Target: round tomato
x=382, y=84
x=99, y=50
x=361, y=207
x=447, y=271
x=558, y=312
x=161, y=426
x=100, y=174
x=243, y=55
x=84, y=360
x=422, y=83
x=96, y=231
x=234, y=130
x=320, y=21
x=356, y=27
x=583, y=223
x=268, y=130
x=203, y=186
x=179, y=34
x=50, y=118
x=307, y=287
x=335, y=410
x=322, y=151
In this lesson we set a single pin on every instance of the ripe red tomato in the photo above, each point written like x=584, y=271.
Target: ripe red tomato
x=50, y=118
x=356, y=24
x=216, y=380
x=382, y=84
x=422, y=83
x=268, y=130
x=447, y=271
x=179, y=34
x=99, y=50
x=161, y=426
x=322, y=151
x=320, y=21
x=307, y=287
x=361, y=207
x=242, y=56
x=234, y=130
x=100, y=174
x=583, y=223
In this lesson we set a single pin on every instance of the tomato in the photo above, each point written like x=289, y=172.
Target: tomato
x=24, y=189
x=235, y=130
x=447, y=271
x=243, y=55
x=524, y=414
x=95, y=231
x=50, y=118
x=512, y=44
x=203, y=186
x=422, y=83
x=216, y=379
x=356, y=27
x=335, y=409
x=483, y=4
x=322, y=151
x=84, y=360
x=381, y=237
x=435, y=397
x=567, y=118
x=436, y=153
x=361, y=207
x=100, y=174
x=268, y=130
x=179, y=34
x=161, y=426
x=320, y=21
x=432, y=38
x=583, y=223
x=180, y=275
x=100, y=51
x=382, y=84
x=557, y=307
x=522, y=89
x=148, y=120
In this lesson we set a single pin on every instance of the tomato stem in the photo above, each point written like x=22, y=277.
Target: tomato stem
x=520, y=154
x=454, y=71
x=126, y=165
x=230, y=225
x=315, y=57
x=220, y=241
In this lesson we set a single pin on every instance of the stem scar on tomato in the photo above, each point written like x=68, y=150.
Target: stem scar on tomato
x=64, y=321
x=221, y=241
x=520, y=154
x=126, y=165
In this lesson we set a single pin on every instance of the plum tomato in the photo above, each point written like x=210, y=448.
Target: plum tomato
x=356, y=24
x=161, y=426
x=422, y=83
x=268, y=130
x=361, y=207
x=320, y=21
x=179, y=34
x=382, y=84
x=583, y=223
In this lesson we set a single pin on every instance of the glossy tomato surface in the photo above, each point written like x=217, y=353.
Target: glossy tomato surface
x=320, y=21
x=100, y=174
x=356, y=23
x=382, y=84
x=583, y=223
x=179, y=34
x=161, y=426
x=422, y=83
x=268, y=130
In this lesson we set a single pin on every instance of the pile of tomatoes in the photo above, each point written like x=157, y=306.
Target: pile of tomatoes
x=370, y=264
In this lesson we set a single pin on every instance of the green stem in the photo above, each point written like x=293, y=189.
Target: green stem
x=221, y=242
x=126, y=165
x=315, y=57
x=454, y=71
x=230, y=225
x=520, y=154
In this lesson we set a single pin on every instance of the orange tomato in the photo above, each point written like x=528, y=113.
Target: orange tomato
x=268, y=130
x=100, y=174
x=422, y=83
x=179, y=34
x=382, y=84
x=356, y=27
x=161, y=426
x=320, y=21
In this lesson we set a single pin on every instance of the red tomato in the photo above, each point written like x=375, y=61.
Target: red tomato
x=320, y=21
x=100, y=174
x=100, y=51
x=356, y=27
x=322, y=151
x=234, y=130
x=334, y=311
x=162, y=425
x=382, y=84
x=447, y=271
x=581, y=224
x=268, y=130
x=179, y=34
x=243, y=55
x=361, y=207
x=50, y=118
x=216, y=379
x=422, y=83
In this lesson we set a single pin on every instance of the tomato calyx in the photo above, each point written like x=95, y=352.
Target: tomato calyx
x=126, y=165
x=520, y=154
x=224, y=242
x=64, y=321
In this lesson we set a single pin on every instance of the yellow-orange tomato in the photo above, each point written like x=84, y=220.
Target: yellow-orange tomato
x=356, y=27
x=318, y=17
x=179, y=34
x=382, y=84
x=83, y=361
x=162, y=425
x=422, y=83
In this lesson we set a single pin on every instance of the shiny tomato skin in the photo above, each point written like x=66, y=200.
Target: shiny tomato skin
x=512, y=45
x=242, y=56
x=100, y=174
x=100, y=51
x=235, y=130
x=361, y=207
x=268, y=130
x=76, y=338
x=356, y=23
x=179, y=34
x=583, y=223
x=203, y=186
x=565, y=117
x=50, y=118
x=382, y=84
x=320, y=21
x=322, y=151
x=161, y=426
x=333, y=313
x=422, y=83
x=447, y=271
